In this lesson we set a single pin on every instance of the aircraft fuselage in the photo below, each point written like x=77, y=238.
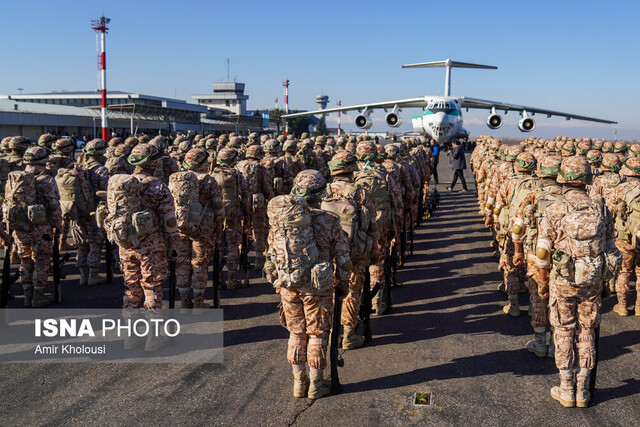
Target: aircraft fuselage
x=441, y=120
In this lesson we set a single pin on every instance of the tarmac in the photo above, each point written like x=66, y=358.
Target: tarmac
x=447, y=336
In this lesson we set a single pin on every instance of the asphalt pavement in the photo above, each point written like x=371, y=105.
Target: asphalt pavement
x=447, y=336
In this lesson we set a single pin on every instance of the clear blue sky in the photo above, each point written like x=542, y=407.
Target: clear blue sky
x=574, y=56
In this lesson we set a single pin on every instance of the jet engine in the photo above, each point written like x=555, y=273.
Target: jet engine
x=363, y=121
x=526, y=124
x=494, y=121
x=393, y=120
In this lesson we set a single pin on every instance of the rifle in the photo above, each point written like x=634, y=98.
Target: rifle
x=57, y=267
x=172, y=280
x=108, y=259
x=6, y=277
x=403, y=243
x=420, y=209
x=387, y=279
x=336, y=360
x=365, y=309
x=244, y=256
x=393, y=257
x=594, y=371
x=411, y=232
x=217, y=268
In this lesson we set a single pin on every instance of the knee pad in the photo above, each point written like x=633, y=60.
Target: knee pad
x=297, y=349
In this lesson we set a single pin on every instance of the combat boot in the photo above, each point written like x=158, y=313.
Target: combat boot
x=232, y=283
x=84, y=276
x=28, y=295
x=551, y=349
x=39, y=298
x=300, y=380
x=259, y=262
x=582, y=388
x=539, y=344
x=134, y=340
x=637, y=307
x=350, y=339
x=502, y=287
x=565, y=393
x=513, y=308
x=621, y=306
x=198, y=301
x=95, y=278
x=378, y=304
x=186, y=303
x=65, y=246
x=15, y=259
x=154, y=342
x=318, y=387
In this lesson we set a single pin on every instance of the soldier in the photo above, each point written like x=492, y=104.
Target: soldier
x=46, y=141
x=236, y=207
x=166, y=165
x=60, y=159
x=117, y=162
x=393, y=169
x=198, y=235
x=86, y=233
x=625, y=198
x=35, y=190
x=211, y=146
x=577, y=233
x=259, y=183
x=306, y=305
x=113, y=143
x=594, y=157
x=364, y=250
x=605, y=184
x=278, y=168
x=295, y=164
x=143, y=257
x=18, y=146
x=511, y=194
x=524, y=232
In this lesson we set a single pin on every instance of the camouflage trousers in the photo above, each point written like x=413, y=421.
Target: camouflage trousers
x=260, y=230
x=192, y=262
x=351, y=302
x=376, y=270
x=232, y=240
x=144, y=269
x=539, y=306
x=513, y=275
x=34, y=250
x=307, y=316
x=574, y=319
x=630, y=265
x=88, y=237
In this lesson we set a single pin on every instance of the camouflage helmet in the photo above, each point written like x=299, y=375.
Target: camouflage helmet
x=195, y=159
x=201, y=143
x=495, y=145
x=197, y=138
x=584, y=147
x=342, y=162
x=575, y=170
x=280, y=138
x=210, y=143
x=272, y=145
x=95, y=147
x=121, y=151
x=184, y=146
x=157, y=142
x=550, y=166
x=341, y=142
x=144, y=155
x=19, y=142
x=178, y=140
x=512, y=153
x=4, y=144
x=352, y=139
x=631, y=167
x=525, y=162
x=594, y=157
x=607, y=147
x=381, y=153
x=331, y=142
x=619, y=147
x=144, y=139
x=254, y=152
x=234, y=142
x=611, y=162
x=291, y=137
x=62, y=143
x=392, y=150
x=35, y=156
x=596, y=145
x=227, y=156
x=46, y=140
x=320, y=141
x=290, y=146
x=309, y=184
x=222, y=138
x=634, y=150
x=304, y=135
x=264, y=138
x=366, y=151
x=115, y=141
x=568, y=149
x=132, y=141
x=550, y=146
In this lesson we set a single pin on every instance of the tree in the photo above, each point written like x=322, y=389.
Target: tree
x=321, y=128
x=298, y=125
x=276, y=114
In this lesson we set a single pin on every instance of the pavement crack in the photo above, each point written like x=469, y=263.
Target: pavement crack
x=295, y=419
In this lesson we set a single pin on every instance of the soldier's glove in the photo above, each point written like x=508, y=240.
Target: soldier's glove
x=270, y=271
x=518, y=259
x=488, y=222
x=543, y=289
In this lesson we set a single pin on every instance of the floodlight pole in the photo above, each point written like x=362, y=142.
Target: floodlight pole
x=100, y=26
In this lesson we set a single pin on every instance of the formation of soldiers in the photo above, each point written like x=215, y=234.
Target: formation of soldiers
x=329, y=220
x=565, y=216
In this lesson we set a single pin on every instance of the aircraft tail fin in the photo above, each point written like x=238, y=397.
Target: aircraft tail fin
x=448, y=64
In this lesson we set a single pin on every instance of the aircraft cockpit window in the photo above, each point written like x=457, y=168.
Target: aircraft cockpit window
x=442, y=106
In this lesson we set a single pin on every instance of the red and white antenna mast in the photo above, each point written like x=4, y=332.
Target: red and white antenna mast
x=286, y=104
x=100, y=27
x=339, y=117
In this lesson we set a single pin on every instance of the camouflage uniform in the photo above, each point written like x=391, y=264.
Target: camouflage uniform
x=144, y=267
x=305, y=313
x=61, y=156
x=236, y=207
x=195, y=252
x=259, y=183
x=295, y=164
x=279, y=169
x=117, y=162
x=34, y=247
x=574, y=310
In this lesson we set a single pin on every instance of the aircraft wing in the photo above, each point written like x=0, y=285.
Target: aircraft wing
x=465, y=102
x=401, y=103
